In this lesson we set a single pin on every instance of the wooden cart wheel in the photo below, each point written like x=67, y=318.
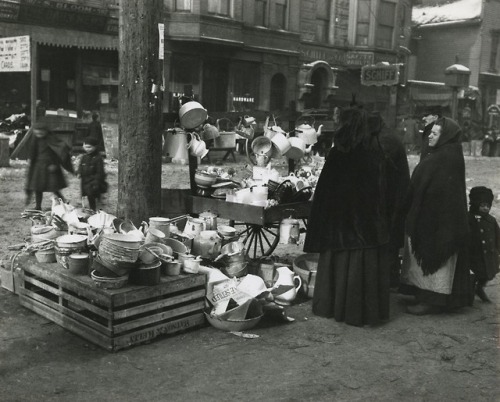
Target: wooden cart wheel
x=259, y=240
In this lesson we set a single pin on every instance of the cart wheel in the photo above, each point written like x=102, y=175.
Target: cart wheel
x=259, y=240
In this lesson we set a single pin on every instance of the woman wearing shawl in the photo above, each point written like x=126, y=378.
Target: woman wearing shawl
x=47, y=154
x=349, y=227
x=435, y=268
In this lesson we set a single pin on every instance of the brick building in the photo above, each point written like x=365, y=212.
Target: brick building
x=462, y=31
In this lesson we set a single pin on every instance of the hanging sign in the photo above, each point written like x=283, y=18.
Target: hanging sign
x=161, y=50
x=15, y=54
x=380, y=74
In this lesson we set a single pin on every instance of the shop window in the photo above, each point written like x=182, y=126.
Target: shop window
x=385, y=29
x=260, y=13
x=182, y=5
x=184, y=81
x=322, y=20
x=219, y=7
x=278, y=92
x=363, y=22
x=245, y=86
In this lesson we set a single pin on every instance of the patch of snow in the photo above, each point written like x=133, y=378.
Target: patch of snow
x=459, y=10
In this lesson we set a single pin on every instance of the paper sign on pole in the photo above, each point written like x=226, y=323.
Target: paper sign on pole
x=15, y=54
x=161, y=50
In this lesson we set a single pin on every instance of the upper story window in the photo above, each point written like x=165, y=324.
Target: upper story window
x=322, y=20
x=363, y=22
x=182, y=5
x=271, y=13
x=280, y=14
x=386, y=21
x=260, y=17
x=219, y=7
x=495, y=43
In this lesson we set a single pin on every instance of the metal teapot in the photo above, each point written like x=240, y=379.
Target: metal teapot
x=307, y=133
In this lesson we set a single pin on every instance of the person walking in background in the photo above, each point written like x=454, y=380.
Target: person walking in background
x=397, y=180
x=476, y=138
x=485, y=239
x=435, y=265
x=410, y=132
x=348, y=226
x=92, y=174
x=46, y=156
x=95, y=131
x=431, y=114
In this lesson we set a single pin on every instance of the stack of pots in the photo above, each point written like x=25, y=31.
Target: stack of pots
x=67, y=245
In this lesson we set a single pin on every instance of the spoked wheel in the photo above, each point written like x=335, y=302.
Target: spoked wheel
x=259, y=240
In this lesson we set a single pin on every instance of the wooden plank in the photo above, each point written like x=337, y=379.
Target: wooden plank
x=169, y=284
x=298, y=210
x=51, y=289
x=64, y=310
x=68, y=323
x=81, y=285
x=229, y=210
x=87, y=306
x=171, y=301
x=166, y=328
x=164, y=315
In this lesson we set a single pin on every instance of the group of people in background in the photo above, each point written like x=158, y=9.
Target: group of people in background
x=366, y=208
x=412, y=132
x=49, y=155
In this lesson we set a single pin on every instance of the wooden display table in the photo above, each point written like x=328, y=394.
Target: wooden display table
x=111, y=318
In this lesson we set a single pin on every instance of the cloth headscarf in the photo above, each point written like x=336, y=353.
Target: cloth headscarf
x=437, y=221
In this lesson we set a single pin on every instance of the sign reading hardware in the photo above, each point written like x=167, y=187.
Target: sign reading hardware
x=380, y=74
x=15, y=54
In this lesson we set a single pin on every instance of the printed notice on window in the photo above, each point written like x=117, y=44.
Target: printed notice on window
x=161, y=50
x=15, y=54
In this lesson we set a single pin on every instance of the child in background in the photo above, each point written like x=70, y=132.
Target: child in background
x=92, y=174
x=485, y=239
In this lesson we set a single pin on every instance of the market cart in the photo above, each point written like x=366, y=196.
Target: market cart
x=259, y=226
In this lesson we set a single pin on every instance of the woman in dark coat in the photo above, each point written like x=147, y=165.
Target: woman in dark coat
x=47, y=154
x=349, y=227
x=435, y=267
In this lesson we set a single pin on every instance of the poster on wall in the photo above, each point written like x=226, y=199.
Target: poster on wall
x=15, y=54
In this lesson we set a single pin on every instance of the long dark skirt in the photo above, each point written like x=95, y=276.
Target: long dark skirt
x=353, y=286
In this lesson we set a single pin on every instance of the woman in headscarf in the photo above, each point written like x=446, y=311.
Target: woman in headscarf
x=435, y=263
x=47, y=154
x=349, y=227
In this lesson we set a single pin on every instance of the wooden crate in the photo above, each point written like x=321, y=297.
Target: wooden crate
x=112, y=318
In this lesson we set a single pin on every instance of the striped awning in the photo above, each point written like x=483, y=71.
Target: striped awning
x=61, y=37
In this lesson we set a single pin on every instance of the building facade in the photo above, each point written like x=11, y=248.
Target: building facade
x=465, y=32
x=237, y=56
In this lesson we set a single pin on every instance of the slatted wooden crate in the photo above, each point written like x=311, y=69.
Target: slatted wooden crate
x=112, y=318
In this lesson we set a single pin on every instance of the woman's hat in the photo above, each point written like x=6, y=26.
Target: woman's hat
x=434, y=110
x=90, y=141
x=40, y=126
x=481, y=194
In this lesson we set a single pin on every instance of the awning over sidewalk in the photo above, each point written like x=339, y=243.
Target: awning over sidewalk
x=61, y=37
x=425, y=93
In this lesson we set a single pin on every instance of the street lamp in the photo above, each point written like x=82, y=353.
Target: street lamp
x=456, y=76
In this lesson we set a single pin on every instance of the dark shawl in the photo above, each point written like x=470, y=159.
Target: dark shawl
x=349, y=209
x=437, y=222
x=424, y=147
x=58, y=146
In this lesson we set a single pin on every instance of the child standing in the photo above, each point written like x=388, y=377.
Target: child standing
x=92, y=174
x=485, y=239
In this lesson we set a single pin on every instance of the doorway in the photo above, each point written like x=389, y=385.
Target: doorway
x=215, y=85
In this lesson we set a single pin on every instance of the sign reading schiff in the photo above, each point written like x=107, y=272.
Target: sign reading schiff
x=380, y=74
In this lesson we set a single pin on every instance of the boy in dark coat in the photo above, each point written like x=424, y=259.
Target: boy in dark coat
x=92, y=174
x=485, y=239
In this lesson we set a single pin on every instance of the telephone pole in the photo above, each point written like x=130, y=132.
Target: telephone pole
x=140, y=111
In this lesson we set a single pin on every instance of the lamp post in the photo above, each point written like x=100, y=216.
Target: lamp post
x=456, y=76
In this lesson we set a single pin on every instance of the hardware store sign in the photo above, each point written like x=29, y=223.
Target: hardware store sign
x=15, y=54
x=380, y=74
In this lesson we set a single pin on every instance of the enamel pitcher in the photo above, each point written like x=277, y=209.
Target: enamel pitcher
x=286, y=277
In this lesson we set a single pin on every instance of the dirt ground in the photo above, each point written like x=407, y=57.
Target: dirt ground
x=452, y=357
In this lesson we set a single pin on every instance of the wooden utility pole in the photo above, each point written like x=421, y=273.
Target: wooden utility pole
x=140, y=111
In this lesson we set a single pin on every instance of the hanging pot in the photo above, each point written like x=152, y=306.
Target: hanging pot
x=281, y=143
x=297, y=148
x=192, y=114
